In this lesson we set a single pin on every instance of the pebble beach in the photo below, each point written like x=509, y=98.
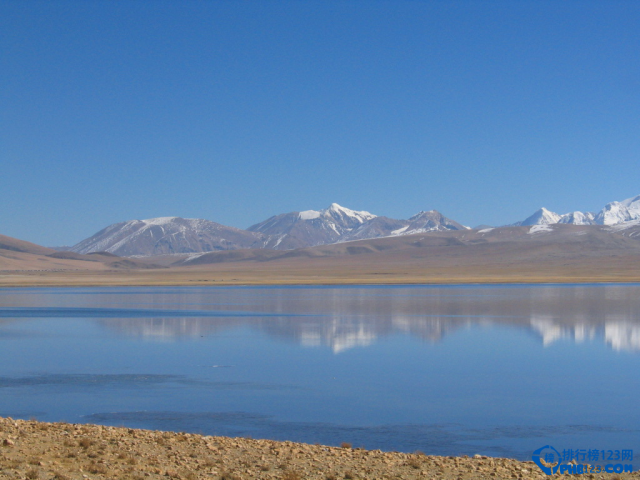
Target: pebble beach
x=61, y=451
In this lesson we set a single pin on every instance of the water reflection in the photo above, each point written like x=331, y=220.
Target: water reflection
x=619, y=333
x=346, y=318
x=343, y=333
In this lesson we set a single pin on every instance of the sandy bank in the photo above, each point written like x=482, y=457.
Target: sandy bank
x=59, y=451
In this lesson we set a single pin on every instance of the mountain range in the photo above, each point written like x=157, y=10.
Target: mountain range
x=613, y=213
x=287, y=231
x=403, y=251
x=309, y=228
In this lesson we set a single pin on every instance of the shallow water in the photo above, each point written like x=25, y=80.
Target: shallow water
x=497, y=370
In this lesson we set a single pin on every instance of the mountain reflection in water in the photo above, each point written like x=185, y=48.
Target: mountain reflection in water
x=343, y=333
x=357, y=317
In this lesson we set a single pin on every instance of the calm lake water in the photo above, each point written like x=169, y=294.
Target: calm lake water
x=495, y=370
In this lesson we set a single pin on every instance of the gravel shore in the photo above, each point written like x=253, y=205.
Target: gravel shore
x=60, y=451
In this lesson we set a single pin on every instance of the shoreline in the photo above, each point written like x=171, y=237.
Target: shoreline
x=61, y=451
x=56, y=283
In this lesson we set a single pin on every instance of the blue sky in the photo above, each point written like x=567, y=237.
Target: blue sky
x=234, y=111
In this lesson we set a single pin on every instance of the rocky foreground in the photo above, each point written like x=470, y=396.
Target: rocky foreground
x=60, y=451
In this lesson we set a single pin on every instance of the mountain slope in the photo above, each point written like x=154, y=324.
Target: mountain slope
x=377, y=227
x=168, y=235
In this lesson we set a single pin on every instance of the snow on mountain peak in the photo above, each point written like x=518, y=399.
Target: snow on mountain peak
x=420, y=213
x=309, y=214
x=542, y=217
x=577, y=218
x=613, y=213
x=340, y=210
x=335, y=209
x=631, y=201
x=159, y=220
x=633, y=206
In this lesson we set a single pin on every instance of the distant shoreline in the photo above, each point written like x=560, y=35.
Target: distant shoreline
x=116, y=279
x=496, y=283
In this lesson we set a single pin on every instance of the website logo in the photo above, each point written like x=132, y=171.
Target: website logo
x=550, y=455
x=551, y=461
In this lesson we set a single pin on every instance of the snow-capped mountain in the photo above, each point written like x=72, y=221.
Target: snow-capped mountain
x=165, y=235
x=287, y=231
x=541, y=217
x=339, y=224
x=311, y=227
x=578, y=218
x=431, y=221
x=614, y=213
x=334, y=224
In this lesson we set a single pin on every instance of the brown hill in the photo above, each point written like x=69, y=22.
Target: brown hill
x=19, y=255
x=14, y=245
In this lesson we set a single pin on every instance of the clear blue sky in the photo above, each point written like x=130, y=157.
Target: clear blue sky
x=234, y=111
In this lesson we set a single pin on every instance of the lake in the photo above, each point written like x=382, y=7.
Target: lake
x=497, y=370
